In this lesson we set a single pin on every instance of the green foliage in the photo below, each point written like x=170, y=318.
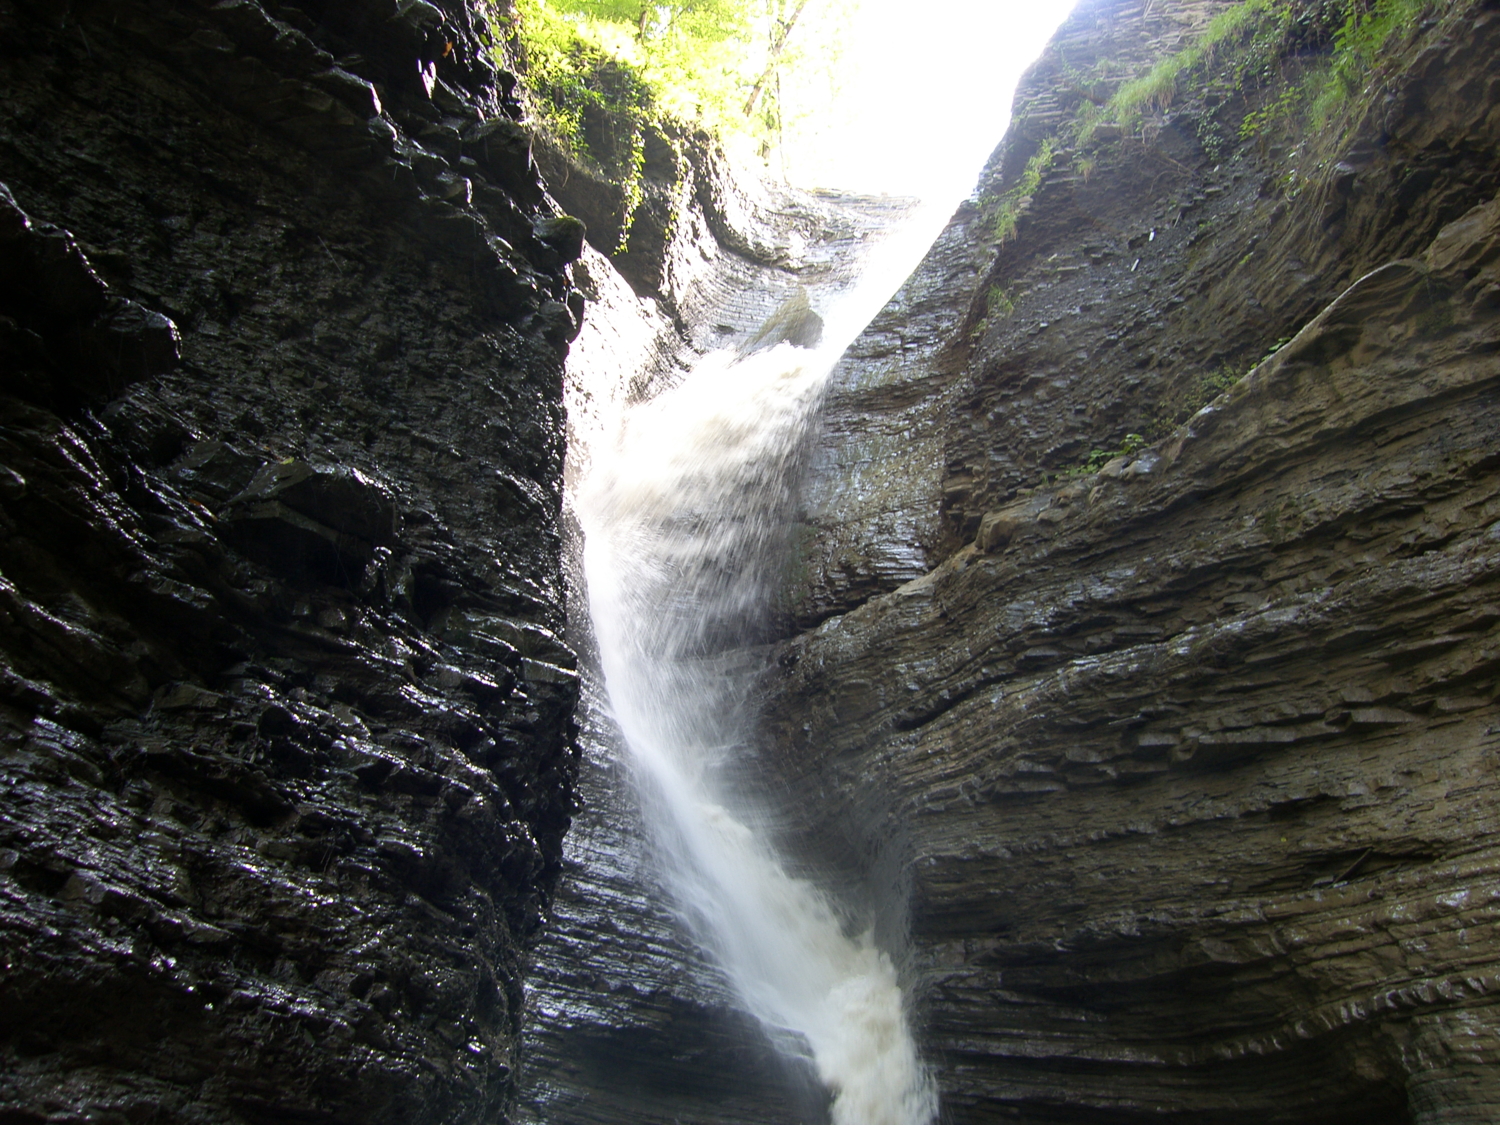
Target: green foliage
x=1002, y=212
x=1272, y=350
x=1209, y=386
x=1098, y=458
x=1089, y=116
x=1262, y=34
x=1304, y=65
x=1283, y=106
x=999, y=302
x=588, y=97
x=1358, y=46
x=1215, y=383
x=1368, y=29
x=1155, y=90
x=723, y=65
x=687, y=56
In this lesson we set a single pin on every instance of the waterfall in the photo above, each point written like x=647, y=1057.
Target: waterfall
x=683, y=515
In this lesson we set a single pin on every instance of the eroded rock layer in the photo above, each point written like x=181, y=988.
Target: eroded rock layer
x=1191, y=752
x=286, y=727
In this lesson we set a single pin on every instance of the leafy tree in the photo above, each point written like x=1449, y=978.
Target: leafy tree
x=726, y=64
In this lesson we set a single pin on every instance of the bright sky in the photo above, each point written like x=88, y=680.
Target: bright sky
x=926, y=94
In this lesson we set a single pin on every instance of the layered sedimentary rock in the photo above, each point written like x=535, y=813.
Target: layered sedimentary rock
x=286, y=726
x=1190, y=757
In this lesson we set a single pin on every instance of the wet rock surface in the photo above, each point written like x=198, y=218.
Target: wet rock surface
x=628, y=1020
x=286, y=722
x=1191, y=757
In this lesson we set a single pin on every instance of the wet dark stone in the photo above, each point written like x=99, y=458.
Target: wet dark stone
x=564, y=234
x=274, y=840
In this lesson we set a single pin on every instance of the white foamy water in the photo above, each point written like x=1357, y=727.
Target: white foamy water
x=683, y=514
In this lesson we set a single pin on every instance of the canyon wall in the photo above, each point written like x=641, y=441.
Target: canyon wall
x=1178, y=707
x=287, y=715
x=286, y=719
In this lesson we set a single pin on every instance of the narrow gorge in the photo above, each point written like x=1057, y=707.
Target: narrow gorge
x=1104, y=646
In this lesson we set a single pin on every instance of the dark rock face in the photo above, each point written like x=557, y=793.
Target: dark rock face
x=286, y=726
x=1192, y=760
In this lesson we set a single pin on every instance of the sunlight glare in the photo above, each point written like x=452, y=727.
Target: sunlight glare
x=923, y=95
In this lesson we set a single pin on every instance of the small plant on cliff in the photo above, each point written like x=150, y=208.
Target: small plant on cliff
x=1178, y=408
x=1283, y=106
x=1359, y=45
x=1098, y=458
x=999, y=302
x=1001, y=212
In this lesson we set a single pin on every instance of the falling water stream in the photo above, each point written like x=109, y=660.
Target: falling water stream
x=683, y=515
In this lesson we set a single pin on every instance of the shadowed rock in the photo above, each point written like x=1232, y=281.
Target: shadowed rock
x=794, y=322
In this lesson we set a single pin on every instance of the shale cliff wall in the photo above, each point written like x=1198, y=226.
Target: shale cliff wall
x=286, y=722
x=1189, y=748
